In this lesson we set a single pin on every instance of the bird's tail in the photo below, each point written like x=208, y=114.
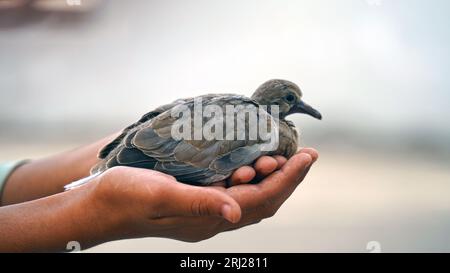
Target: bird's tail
x=80, y=182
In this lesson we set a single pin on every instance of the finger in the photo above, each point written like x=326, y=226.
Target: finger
x=289, y=176
x=242, y=175
x=265, y=165
x=279, y=185
x=312, y=152
x=186, y=200
x=281, y=160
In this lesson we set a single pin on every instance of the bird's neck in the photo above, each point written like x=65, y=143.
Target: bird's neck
x=287, y=122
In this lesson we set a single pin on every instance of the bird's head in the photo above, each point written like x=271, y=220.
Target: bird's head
x=287, y=95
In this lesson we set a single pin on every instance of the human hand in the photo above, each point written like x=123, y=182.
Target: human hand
x=260, y=201
x=134, y=203
x=263, y=200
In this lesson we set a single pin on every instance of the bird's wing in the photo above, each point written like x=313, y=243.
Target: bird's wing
x=106, y=150
x=151, y=145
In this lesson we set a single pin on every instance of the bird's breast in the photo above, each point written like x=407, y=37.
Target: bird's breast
x=288, y=139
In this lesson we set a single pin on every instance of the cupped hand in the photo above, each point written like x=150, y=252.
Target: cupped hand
x=132, y=203
x=262, y=200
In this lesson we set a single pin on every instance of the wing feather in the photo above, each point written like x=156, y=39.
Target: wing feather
x=148, y=144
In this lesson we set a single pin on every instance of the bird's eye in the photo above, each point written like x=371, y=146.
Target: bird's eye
x=290, y=98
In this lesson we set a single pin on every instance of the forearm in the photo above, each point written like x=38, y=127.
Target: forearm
x=47, y=176
x=48, y=224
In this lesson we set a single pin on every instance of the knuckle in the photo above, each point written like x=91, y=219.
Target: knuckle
x=196, y=207
x=199, y=207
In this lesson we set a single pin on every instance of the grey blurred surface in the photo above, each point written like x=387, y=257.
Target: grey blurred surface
x=378, y=73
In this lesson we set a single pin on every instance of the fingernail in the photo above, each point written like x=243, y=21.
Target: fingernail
x=226, y=213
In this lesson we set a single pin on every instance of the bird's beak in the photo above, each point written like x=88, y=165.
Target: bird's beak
x=304, y=108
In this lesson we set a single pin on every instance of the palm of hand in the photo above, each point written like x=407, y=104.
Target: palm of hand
x=155, y=204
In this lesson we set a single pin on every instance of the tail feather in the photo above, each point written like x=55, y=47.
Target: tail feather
x=80, y=182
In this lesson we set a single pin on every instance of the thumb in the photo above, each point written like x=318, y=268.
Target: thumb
x=186, y=200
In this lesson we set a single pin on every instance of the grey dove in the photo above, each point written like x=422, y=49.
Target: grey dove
x=149, y=142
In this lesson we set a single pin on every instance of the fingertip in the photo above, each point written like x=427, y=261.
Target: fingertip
x=231, y=213
x=230, y=208
x=298, y=162
x=305, y=159
x=243, y=175
x=266, y=165
x=312, y=152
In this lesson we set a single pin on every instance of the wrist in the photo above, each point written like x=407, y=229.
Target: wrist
x=91, y=220
x=105, y=210
x=49, y=224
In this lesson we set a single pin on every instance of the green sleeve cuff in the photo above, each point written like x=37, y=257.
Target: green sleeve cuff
x=5, y=171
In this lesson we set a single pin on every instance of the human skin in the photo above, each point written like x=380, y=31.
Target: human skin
x=128, y=202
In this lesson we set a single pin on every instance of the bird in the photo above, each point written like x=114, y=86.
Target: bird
x=149, y=143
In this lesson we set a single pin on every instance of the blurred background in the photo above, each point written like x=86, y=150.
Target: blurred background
x=74, y=71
